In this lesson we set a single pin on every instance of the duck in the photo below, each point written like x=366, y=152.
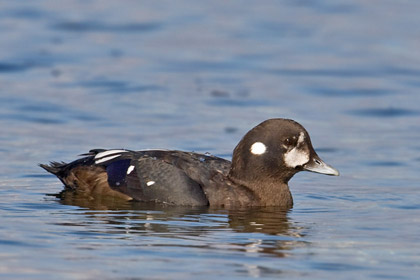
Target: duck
x=263, y=162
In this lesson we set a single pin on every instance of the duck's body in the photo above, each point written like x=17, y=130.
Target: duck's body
x=262, y=164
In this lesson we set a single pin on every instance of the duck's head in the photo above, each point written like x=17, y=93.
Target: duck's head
x=276, y=149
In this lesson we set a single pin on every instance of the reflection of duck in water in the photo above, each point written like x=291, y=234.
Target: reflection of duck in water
x=278, y=235
x=263, y=162
x=268, y=220
x=256, y=230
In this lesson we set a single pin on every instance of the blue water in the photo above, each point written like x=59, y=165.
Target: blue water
x=196, y=76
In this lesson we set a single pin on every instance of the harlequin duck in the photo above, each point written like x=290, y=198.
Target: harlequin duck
x=263, y=162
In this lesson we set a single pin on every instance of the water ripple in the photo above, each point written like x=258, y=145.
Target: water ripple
x=113, y=86
x=13, y=67
x=385, y=163
x=384, y=112
x=330, y=266
x=24, y=13
x=349, y=73
x=327, y=8
x=42, y=112
x=352, y=92
x=238, y=102
x=95, y=26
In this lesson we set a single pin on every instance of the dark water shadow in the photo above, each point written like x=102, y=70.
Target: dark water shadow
x=390, y=112
x=326, y=7
x=6, y=67
x=43, y=112
x=205, y=65
x=347, y=73
x=353, y=92
x=270, y=30
x=230, y=102
x=271, y=230
x=385, y=163
x=241, y=98
x=96, y=26
x=104, y=86
x=29, y=13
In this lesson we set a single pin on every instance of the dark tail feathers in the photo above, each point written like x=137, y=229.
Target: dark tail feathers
x=55, y=168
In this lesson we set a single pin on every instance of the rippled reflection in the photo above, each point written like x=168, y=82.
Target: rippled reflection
x=267, y=229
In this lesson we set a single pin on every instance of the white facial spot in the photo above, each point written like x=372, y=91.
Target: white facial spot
x=296, y=157
x=130, y=169
x=258, y=148
x=150, y=183
x=301, y=137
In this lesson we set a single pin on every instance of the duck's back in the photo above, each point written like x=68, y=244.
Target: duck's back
x=174, y=177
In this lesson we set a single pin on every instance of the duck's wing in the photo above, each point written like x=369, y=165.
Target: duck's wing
x=154, y=175
x=153, y=179
x=174, y=177
x=204, y=169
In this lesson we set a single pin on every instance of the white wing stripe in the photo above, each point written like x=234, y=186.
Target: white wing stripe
x=106, y=158
x=151, y=150
x=109, y=152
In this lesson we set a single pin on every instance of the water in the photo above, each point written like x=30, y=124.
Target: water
x=196, y=76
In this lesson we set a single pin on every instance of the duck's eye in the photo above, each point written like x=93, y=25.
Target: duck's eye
x=289, y=142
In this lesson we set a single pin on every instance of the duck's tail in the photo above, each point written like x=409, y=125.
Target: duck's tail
x=62, y=169
x=55, y=168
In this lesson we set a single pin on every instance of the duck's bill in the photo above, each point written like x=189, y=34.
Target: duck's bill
x=319, y=166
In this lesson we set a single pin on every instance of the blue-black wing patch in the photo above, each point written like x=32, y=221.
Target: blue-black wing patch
x=117, y=173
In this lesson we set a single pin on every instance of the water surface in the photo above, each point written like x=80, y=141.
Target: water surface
x=197, y=76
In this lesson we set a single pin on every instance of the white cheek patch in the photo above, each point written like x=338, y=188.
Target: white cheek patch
x=258, y=148
x=296, y=157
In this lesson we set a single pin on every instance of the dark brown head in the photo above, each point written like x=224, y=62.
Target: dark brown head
x=276, y=149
